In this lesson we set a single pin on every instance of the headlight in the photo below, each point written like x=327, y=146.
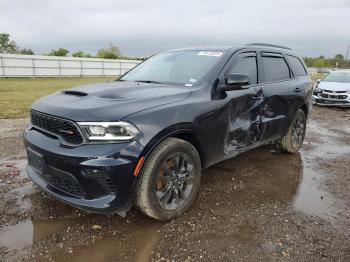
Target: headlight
x=317, y=90
x=108, y=131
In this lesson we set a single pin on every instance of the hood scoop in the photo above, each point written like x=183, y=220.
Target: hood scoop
x=74, y=93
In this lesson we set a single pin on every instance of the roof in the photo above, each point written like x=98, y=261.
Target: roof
x=232, y=47
x=207, y=48
x=268, y=45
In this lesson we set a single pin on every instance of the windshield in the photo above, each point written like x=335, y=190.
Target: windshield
x=178, y=67
x=338, y=77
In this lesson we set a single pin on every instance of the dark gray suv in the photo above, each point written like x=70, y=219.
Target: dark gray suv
x=144, y=138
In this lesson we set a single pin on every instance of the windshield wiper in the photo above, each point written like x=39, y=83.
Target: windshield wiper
x=147, y=81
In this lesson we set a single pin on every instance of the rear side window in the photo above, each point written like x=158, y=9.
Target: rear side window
x=296, y=65
x=275, y=68
x=248, y=66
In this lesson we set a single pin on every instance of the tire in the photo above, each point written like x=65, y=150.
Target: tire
x=168, y=168
x=289, y=143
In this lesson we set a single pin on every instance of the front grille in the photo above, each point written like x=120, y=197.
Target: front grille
x=329, y=96
x=63, y=128
x=67, y=186
x=321, y=101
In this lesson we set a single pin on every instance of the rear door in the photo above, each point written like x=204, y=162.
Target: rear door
x=279, y=89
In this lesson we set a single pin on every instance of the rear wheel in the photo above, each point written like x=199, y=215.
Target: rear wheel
x=294, y=139
x=170, y=180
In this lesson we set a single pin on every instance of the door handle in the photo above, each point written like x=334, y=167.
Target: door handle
x=298, y=89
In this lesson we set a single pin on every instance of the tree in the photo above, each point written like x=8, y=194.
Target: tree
x=59, y=52
x=321, y=63
x=6, y=45
x=339, y=57
x=26, y=51
x=337, y=61
x=81, y=54
x=112, y=52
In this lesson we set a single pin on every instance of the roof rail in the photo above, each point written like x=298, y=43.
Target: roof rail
x=269, y=45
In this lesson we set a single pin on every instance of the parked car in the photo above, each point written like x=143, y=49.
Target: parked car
x=144, y=139
x=322, y=71
x=333, y=90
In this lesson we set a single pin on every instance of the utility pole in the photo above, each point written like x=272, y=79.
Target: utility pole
x=347, y=52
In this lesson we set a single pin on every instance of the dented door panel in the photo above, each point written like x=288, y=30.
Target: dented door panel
x=277, y=110
x=243, y=125
x=240, y=121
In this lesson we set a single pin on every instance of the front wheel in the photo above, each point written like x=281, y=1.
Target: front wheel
x=170, y=180
x=294, y=139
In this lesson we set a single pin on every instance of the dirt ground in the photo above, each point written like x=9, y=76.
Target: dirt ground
x=262, y=205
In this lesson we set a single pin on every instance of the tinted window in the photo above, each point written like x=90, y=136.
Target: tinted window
x=296, y=65
x=275, y=68
x=247, y=66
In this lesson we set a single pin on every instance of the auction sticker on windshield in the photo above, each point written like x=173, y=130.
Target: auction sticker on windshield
x=207, y=53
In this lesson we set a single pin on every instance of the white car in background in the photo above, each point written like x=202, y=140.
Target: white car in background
x=333, y=90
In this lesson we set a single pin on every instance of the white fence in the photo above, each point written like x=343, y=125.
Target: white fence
x=12, y=65
x=313, y=70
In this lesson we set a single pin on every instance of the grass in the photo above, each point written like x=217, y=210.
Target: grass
x=17, y=94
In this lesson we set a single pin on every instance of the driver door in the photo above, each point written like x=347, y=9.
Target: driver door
x=241, y=116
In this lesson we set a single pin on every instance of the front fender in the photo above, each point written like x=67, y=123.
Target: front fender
x=178, y=130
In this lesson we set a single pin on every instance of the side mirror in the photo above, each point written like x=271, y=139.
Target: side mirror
x=318, y=80
x=236, y=82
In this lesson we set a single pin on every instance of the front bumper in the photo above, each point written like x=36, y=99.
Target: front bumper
x=329, y=98
x=93, y=177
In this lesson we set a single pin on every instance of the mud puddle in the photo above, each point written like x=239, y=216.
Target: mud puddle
x=26, y=233
x=312, y=200
x=137, y=246
x=265, y=175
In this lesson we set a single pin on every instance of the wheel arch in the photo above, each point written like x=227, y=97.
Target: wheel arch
x=193, y=140
x=305, y=109
x=188, y=134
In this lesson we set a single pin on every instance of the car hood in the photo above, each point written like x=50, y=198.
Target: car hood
x=109, y=101
x=334, y=86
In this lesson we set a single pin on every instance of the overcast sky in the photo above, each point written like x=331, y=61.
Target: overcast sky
x=143, y=27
